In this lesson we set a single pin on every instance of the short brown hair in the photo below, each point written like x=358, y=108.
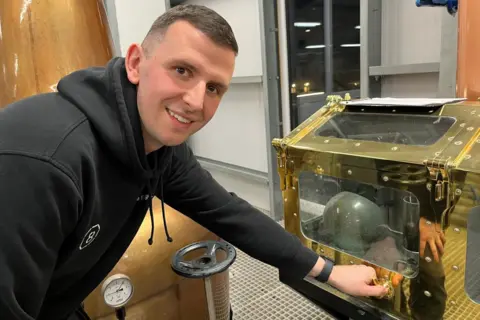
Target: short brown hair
x=204, y=19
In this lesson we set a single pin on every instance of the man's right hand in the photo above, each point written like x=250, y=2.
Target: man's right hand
x=356, y=280
x=432, y=234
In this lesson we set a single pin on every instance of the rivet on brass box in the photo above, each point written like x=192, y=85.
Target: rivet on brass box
x=387, y=185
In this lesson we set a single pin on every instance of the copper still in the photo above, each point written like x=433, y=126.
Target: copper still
x=42, y=41
x=468, y=65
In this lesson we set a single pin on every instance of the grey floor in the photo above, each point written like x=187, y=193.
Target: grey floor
x=256, y=293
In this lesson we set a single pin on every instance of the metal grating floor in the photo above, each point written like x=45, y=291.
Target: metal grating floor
x=257, y=294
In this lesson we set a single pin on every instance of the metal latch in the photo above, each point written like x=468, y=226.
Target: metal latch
x=438, y=170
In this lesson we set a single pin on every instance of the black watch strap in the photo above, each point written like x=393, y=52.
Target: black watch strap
x=326, y=271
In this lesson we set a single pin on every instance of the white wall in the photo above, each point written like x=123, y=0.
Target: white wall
x=134, y=19
x=243, y=17
x=237, y=134
x=410, y=35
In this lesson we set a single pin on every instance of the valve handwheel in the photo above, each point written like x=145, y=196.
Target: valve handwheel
x=207, y=264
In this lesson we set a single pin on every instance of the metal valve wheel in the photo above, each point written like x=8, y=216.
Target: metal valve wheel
x=207, y=264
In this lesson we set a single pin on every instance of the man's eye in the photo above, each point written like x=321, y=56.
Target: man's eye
x=212, y=89
x=181, y=70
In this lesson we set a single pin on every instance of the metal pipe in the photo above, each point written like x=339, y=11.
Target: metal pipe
x=210, y=299
x=364, y=61
x=328, y=34
x=283, y=60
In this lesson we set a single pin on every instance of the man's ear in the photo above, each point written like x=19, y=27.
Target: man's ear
x=133, y=58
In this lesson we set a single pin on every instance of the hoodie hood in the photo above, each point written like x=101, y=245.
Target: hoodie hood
x=109, y=101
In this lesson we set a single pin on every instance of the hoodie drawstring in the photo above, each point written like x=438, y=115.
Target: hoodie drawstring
x=150, y=204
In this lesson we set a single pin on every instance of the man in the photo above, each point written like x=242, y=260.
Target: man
x=80, y=158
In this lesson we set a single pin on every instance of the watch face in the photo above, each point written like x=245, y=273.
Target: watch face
x=118, y=292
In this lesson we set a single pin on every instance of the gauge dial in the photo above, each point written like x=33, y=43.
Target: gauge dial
x=117, y=290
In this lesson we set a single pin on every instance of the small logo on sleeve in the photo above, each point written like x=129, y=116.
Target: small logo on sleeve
x=91, y=234
x=144, y=197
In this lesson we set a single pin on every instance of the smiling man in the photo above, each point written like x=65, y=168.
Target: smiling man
x=76, y=166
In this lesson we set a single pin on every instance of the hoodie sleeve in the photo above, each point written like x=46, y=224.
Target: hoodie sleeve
x=192, y=191
x=38, y=209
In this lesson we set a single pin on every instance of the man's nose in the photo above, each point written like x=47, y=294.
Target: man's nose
x=195, y=96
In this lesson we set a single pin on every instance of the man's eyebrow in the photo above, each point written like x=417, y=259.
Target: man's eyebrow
x=222, y=86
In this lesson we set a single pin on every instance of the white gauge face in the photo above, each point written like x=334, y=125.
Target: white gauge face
x=117, y=291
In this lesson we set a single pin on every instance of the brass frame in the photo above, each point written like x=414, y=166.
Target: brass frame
x=453, y=164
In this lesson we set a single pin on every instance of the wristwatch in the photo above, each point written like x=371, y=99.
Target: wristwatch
x=326, y=271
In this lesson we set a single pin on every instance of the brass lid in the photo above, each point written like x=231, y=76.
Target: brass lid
x=447, y=133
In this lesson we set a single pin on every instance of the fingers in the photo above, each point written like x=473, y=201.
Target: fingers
x=433, y=248
x=422, y=248
x=442, y=236
x=439, y=243
x=374, y=291
x=371, y=274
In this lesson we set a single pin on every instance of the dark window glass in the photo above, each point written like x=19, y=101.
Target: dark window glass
x=324, y=52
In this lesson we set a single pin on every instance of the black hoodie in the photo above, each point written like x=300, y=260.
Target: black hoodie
x=76, y=185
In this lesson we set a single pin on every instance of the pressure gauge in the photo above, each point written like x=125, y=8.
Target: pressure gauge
x=117, y=290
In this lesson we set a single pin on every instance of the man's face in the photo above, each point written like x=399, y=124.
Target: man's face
x=180, y=83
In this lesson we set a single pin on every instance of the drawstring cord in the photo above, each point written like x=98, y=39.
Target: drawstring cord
x=169, y=239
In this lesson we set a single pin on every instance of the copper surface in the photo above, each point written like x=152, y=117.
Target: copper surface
x=457, y=154
x=42, y=41
x=468, y=64
x=149, y=269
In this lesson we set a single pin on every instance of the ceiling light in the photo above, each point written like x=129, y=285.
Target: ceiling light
x=307, y=24
x=310, y=94
x=357, y=27
x=315, y=46
x=350, y=45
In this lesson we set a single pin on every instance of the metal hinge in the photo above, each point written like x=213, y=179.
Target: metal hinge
x=438, y=169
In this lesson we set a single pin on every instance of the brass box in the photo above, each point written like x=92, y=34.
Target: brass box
x=373, y=184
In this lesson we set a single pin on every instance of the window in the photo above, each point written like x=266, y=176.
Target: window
x=324, y=52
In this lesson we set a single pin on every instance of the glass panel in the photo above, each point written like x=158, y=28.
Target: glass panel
x=472, y=268
x=370, y=222
x=306, y=41
x=346, y=45
x=389, y=128
x=324, y=54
